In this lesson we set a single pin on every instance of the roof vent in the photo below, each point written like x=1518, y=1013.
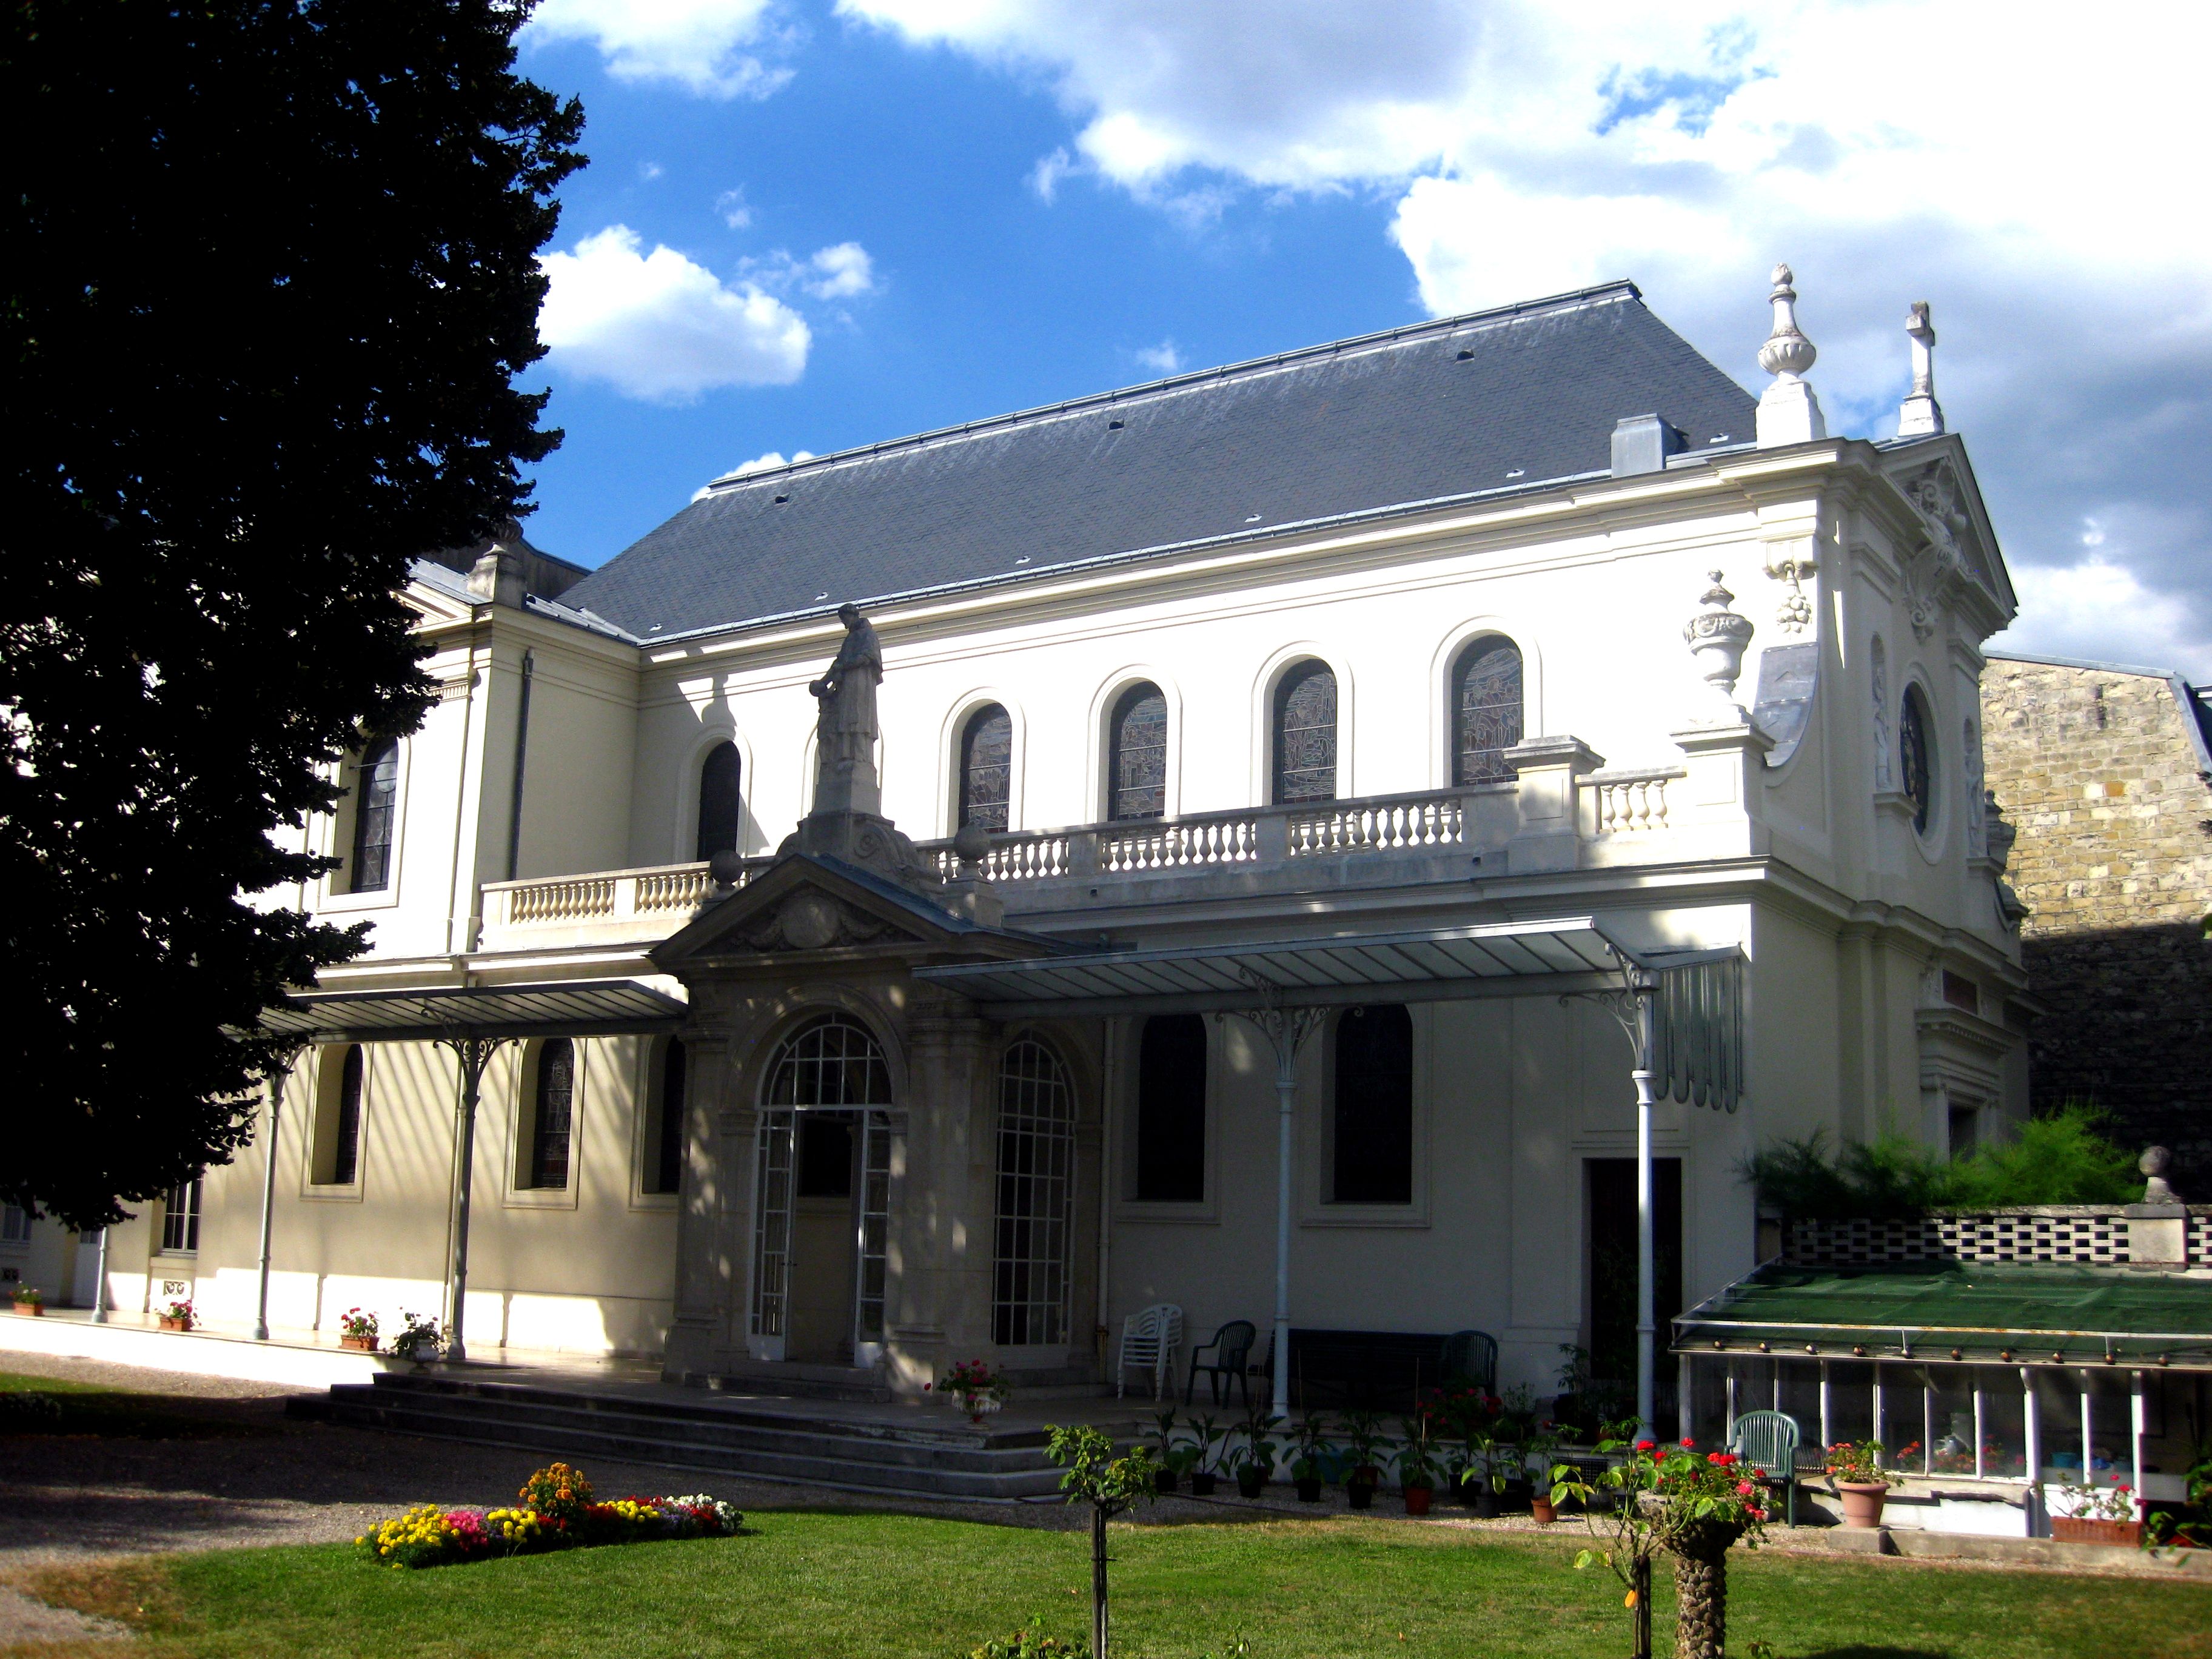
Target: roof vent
x=781, y=500
x=1113, y=426
x=1466, y=352
x=1642, y=443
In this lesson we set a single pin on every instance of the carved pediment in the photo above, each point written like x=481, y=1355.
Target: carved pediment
x=804, y=903
x=811, y=919
x=1951, y=554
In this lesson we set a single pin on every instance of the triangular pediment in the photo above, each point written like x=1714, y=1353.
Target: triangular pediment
x=803, y=904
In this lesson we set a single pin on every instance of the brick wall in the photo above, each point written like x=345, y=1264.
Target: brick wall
x=2097, y=771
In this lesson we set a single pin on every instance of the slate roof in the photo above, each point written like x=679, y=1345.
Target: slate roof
x=1494, y=401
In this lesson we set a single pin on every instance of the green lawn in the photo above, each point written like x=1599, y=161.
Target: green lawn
x=813, y=1584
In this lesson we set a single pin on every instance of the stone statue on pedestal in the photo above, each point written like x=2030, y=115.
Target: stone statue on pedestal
x=845, y=728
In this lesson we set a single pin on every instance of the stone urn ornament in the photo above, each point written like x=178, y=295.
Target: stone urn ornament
x=1717, y=636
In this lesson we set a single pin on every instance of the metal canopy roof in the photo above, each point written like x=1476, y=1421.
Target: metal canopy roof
x=2040, y=1314
x=599, y=1007
x=1518, y=958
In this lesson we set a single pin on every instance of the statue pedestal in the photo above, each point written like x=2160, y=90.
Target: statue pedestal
x=867, y=841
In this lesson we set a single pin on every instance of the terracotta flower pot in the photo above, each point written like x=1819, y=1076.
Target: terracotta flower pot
x=365, y=1344
x=35, y=1310
x=1541, y=1508
x=2077, y=1530
x=1862, y=1501
x=1417, y=1500
x=170, y=1322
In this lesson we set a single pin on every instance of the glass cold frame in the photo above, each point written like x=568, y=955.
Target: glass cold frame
x=2003, y=1422
x=1137, y=755
x=1305, y=734
x=1850, y=1401
x=1949, y=1416
x=987, y=752
x=1486, y=711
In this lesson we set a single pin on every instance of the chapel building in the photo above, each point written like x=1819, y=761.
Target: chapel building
x=1232, y=851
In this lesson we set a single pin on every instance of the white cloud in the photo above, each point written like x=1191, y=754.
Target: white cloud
x=766, y=462
x=2020, y=176
x=1161, y=359
x=840, y=272
x=716, y=48
x=649, y=171
x=730, y=204
x=661, y=328
x=2097, y=609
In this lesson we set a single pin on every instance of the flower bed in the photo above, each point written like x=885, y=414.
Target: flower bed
x=557, y=1511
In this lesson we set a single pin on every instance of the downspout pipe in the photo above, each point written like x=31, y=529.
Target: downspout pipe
x=521, y=755
x=275, y=1089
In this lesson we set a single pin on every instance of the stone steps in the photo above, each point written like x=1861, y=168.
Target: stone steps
x=930, y=1456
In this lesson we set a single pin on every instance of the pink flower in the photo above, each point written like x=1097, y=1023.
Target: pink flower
x=1744, y=1488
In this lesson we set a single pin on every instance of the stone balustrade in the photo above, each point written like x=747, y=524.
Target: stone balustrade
x=648, y=904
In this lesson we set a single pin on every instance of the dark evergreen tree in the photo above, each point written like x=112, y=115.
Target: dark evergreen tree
x=269, y=273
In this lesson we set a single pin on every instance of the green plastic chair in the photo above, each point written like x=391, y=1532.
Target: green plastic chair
x=1767, y=1440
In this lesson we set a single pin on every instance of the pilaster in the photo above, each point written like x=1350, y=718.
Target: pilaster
x=1550, y=771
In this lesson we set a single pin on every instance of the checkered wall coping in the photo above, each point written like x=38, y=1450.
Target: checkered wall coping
x=2200, y=1233
x=2094, y=1237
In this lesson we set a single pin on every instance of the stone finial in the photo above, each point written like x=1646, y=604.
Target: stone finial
x=2154, y=1164
x=1920, y=416
x=1717, y=636
x=725, y=869
x=496, y=578
x=969, y=893
x=1789, y=413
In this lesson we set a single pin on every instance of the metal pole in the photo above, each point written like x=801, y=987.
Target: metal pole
x=1286, y=1091
x=1646, y=1286
x=99, y=1278
x=276, y=1092
x=472, y=1052
x=2135, y=1423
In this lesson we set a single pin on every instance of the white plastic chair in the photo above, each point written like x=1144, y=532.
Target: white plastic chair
x=1149, y=1341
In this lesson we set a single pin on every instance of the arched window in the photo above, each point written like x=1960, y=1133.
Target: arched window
x=1916, y=754
x=376, y=787
x=1305, y=734
x=553, y=1109
x=1486, y=701
x=1137, y=755
x=1372, y=1146
x=1171, y=1110
x=666, y=1147
x=345, y=1132
x=721, y=807
x=1037, y=1177
x=986, y=768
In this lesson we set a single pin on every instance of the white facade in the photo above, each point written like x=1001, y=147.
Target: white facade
x=1880, y=981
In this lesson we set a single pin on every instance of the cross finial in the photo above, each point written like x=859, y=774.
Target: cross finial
x=1921, y=416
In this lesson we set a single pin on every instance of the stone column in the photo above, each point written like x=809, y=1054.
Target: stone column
x=715, y=1210
x=944, y=1234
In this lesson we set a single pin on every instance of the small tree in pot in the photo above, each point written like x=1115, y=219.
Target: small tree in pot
x=1255, y=1457
x=1362, y=1442
x=1312, y=1449
x=1204, y=1475
x=1694, y=1507
x=1110, y=1485
x=1417, y=1461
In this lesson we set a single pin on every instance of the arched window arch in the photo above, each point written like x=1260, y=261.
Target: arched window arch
x=1487, y=704
x=376, y=790
x=552, y=1113
x=1915, y=755
x=1035, y=1197
x=1371, y=1146
x=1305, y=733
x=1136, y=754
x=986, y=768
x=721, y=802
x=1171, y=1110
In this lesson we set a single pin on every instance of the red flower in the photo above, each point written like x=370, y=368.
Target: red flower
x=1744, y=1488
x=1688, y=1444
x=1647, y=1445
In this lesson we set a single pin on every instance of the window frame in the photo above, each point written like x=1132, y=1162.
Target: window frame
x=963, y=764
x=328, y=1101
x=1070, y=1182
x=1916, y=707
x=1206, y=1209
x=652, y=1118
x=1463, y=657
x=338, y=892
x=701, y=853
x=191, y=1213
x=1316, y=1133
x=1333, y=1130
x=522, y=1082
x=1299, y=671
x=1118, y=706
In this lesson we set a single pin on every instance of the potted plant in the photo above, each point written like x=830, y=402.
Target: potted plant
x=1313, y=1448
x=2097, y=1515
x=29, y=1299
x=1164, y=1478
x=1255, y=1457
x=357, y=1330
x=1539, y=1444
x=1363, y=1441
x=1204, y=1475
x=178, y=1316
x=1416, y=1463
x=1855, y=1470
x=420, y=1341
x=976, y=1387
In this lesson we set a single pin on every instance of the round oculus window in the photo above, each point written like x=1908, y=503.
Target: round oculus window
x=1915, y=755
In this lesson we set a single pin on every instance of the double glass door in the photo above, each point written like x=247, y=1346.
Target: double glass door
x=822, y=1197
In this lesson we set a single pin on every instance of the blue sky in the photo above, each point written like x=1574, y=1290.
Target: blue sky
x=811, y=224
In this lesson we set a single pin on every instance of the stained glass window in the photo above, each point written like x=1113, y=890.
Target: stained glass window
x=1137, y=757
x=721, y=803
x=1305, y=734
x=1374, y=1138
x=1915, y=754
x=345, y=1144
x=376, y=787
x=554, y=1114
x=987, y=751
x=1486, y=700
